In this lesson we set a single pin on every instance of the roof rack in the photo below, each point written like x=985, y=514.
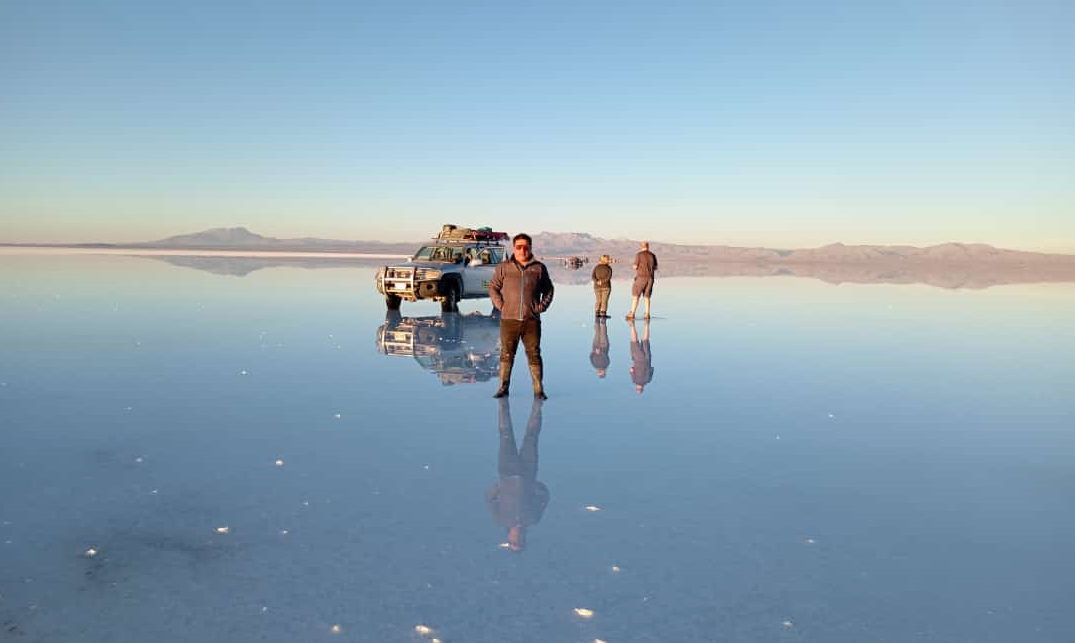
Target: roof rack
x=450, y=232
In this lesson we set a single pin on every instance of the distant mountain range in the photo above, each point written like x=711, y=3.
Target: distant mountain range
x=583, y=244
x=551, y=245
x=242, y=239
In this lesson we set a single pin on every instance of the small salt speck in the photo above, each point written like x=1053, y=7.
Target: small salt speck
x=788, y=625
x=778, y=437
x=139, y=460
x=128, y=408
x=284, y=532
x=592, y=508
x=264, y=609
x=425, y=466
x=434, y=641
x=810, y=541
x=7, y=542
x=243, y=372
x=831, y=415
x=89, y=553
x=154, y=492
x=338, y=416
x=582, y=612
x=279, y=463
x=598, y=641
x=502, y=545
x=223, y=530
x=615, y=569
x=423, y=630
x=336, y=629
x=305, y=503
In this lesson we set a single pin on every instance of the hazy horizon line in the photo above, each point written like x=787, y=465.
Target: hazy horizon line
x=650, y=239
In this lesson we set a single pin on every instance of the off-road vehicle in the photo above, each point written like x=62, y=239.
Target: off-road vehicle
x=457, y=264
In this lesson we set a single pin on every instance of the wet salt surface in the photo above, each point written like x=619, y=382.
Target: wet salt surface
x=807, y=462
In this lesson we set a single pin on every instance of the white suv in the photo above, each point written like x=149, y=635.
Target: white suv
x=458, y=264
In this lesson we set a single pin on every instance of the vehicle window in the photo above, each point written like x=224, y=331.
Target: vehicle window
x=486, y=256
x=439, y=253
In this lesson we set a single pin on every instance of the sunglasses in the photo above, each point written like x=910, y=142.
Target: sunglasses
x=522, y=247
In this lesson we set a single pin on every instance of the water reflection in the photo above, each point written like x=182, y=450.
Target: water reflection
x=599, y=353
x=641, y=357
x=458, y=348
x=517, y=500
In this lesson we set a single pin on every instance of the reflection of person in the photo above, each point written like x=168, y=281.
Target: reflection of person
x=641, y=358
x=602, y=286
x=521, y=290
x=645, y=268
x=599, y=354
x=517, y=500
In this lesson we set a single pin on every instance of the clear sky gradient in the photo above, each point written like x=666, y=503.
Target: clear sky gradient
x=782, y=124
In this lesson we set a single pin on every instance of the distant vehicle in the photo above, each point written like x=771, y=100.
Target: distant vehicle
x=457, y=265
x=574, y=263
x=458, y=348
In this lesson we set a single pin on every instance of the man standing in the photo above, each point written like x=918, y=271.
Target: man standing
x=602, y=286
x=645, y=268
x=521, y=290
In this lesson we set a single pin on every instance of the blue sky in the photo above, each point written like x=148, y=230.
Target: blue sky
x=756, y=123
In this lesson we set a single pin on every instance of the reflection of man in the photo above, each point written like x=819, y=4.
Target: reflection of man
x=645, y=268
x=521, y=290
x=599, y=353
x=518, y=500
x=641, y=358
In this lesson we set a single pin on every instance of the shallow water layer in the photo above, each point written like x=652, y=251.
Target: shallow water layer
x=266, y=455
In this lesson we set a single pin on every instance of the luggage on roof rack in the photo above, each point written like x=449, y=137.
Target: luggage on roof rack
x=450, y=232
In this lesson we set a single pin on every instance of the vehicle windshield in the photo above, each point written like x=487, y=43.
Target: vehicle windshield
x=445, y=254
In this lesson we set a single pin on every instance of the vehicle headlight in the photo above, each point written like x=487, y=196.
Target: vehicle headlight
x=426, y=274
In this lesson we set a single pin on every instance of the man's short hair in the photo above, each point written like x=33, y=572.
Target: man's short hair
x=522, y=235
x=645, y=245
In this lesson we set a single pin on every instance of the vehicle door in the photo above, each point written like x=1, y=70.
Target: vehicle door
x=479, y=272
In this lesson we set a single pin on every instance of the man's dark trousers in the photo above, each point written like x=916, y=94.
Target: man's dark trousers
x=529, y=331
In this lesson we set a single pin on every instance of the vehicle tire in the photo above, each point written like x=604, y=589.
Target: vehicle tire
x=392, y=301
x=451, y=298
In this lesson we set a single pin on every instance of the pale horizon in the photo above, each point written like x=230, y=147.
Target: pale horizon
x=740, y=240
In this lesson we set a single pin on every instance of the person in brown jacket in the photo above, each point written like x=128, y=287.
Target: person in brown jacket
x=521, y=290
x=602, y=286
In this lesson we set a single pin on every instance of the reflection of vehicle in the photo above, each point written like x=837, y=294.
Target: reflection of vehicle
x=458, y=348
x=457, y=265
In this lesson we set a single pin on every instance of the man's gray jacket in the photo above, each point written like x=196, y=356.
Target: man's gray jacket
x=520, y=292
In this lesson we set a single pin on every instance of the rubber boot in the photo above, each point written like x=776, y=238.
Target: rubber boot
x=539, y=389
x=505, y=379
